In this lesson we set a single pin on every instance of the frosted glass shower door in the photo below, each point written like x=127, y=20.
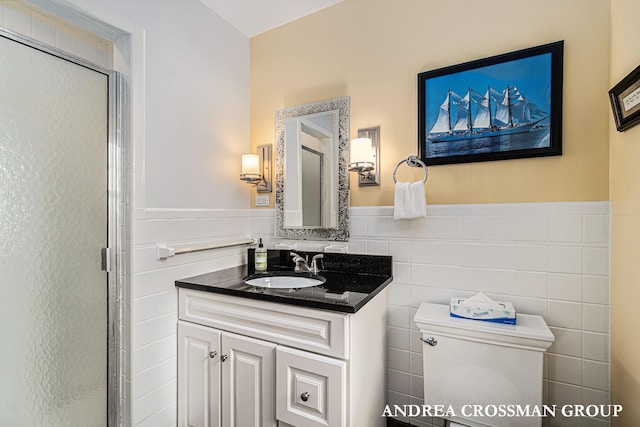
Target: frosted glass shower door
x=53, y=224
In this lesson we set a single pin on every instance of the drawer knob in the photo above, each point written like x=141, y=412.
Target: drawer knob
x=213, y=354
x=431, y=341
x=304, y=396
x=224, y=357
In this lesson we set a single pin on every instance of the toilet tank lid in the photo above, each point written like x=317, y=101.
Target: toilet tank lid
x=528, y=326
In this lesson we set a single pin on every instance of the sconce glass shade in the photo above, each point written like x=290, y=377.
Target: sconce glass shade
x=250, y=164
x=250, y=168
x=362, y=155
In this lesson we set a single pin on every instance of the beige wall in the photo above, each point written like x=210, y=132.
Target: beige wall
x=625, y=225
x=372, y=51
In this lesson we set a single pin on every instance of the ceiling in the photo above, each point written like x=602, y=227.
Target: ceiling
x=253, y=17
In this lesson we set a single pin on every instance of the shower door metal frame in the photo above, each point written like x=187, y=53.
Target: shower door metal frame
x=117, y=221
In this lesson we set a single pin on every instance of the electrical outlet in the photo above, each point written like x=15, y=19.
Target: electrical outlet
x=262, y=201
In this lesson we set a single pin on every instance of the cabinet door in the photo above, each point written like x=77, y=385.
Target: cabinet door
x=248, y=380
x=310, y=389
x=198, y=376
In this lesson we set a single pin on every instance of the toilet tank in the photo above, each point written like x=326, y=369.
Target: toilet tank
x=483, y=372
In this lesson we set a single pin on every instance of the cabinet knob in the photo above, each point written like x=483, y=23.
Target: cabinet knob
x=430, y=340
x=304, y=396
x=224, y=357
x=213, y=354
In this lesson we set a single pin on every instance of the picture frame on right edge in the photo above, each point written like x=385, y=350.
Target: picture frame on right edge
x=625, y=101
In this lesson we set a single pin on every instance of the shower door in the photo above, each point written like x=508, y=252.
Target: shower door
x=54, y=216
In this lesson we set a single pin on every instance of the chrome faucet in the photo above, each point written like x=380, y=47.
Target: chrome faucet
x=302, y=263
x=314, y=263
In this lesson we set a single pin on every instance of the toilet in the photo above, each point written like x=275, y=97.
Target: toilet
x=483, y=373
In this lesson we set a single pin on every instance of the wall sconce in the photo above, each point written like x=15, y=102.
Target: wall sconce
x=256, y=169
x=365, y=156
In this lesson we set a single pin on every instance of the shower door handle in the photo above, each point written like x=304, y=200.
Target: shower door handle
x=105, y=256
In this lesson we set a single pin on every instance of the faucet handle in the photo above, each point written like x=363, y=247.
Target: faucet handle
x=296, y=257
x=314, y=263
x=301, y=263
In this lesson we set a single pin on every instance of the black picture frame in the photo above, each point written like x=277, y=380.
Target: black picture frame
x=496, y=127
x=625, y=101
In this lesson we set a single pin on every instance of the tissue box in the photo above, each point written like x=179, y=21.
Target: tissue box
x=498, y=311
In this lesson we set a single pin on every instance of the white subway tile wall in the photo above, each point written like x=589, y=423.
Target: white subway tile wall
x=154, y=303
x=550, y=259
x=28, y=20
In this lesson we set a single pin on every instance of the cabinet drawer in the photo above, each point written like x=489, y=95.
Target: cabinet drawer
x=318, y=331
x=310, y=389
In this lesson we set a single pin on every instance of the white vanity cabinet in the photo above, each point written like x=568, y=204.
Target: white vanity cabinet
x=222, y=378
x=284, y=365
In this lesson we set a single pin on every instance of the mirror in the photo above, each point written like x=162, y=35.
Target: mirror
x=310, y=171
x=312, y=191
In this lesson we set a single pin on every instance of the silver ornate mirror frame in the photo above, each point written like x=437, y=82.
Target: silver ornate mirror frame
x=341, y=232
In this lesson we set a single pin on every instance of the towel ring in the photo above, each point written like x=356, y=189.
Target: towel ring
x=412, y=161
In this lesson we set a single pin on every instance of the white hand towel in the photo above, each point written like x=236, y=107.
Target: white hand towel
x=409, y=201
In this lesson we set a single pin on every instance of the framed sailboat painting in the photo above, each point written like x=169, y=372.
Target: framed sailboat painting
x=503, y=107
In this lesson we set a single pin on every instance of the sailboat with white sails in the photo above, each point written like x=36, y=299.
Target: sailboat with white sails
x=490, y=115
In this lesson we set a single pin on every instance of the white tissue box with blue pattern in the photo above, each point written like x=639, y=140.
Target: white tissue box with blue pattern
x=481, y=307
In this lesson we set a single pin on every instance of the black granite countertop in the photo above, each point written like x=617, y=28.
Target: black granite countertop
x=351, y=281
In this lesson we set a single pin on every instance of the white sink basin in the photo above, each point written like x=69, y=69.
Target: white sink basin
x=284, y=282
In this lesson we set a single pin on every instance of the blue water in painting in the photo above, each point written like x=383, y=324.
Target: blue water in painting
x=538, y=138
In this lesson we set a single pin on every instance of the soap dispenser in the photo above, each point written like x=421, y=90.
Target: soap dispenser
x=261, y=257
